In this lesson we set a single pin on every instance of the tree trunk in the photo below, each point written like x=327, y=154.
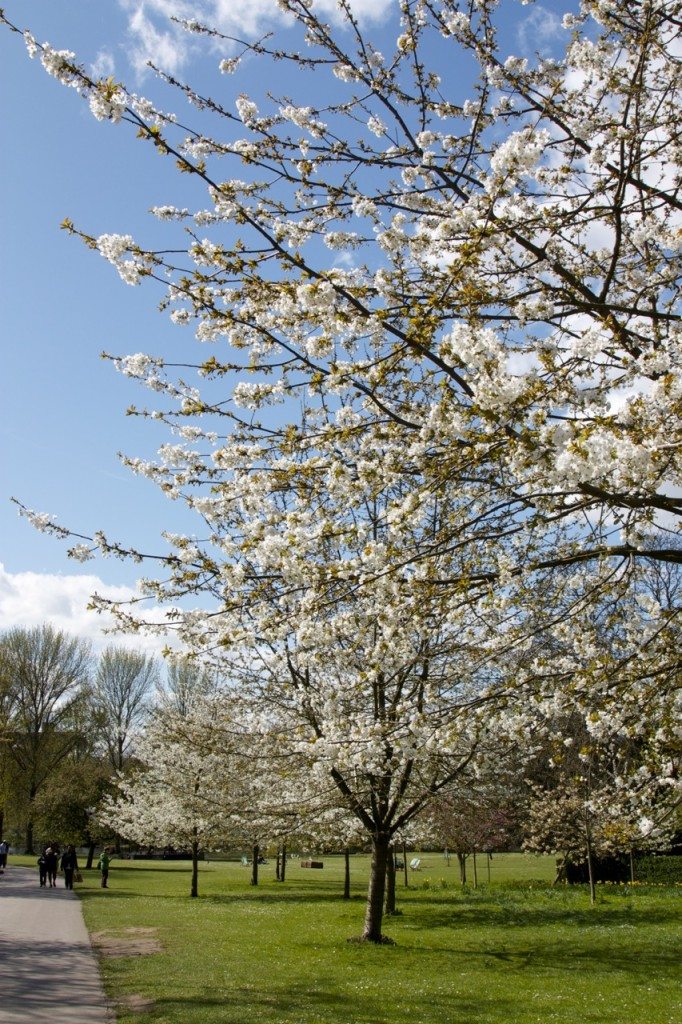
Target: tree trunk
x=346, y=874
x=278, y=875
x=407, y=879
x=475, y=871
x=195, y=868
x=377, y=888
x=254, y=864
x=446, y=854
x=462, y=860
x=390, y=881
x=91, y=856
x=632, y=865
x=590, y=864
x=29, y=824
x=283, y=865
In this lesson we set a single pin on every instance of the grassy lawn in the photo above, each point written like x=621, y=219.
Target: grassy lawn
x=517, y=951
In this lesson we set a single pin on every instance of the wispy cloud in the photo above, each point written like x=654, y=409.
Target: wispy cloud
x=28, y=599
x=155, y=37
x=103, y=66
x=539, y=30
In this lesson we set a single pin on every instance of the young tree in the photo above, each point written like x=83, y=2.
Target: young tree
x=181, y=793
x=471, y=822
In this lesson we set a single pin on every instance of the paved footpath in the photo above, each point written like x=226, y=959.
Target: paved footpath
x=48, y=971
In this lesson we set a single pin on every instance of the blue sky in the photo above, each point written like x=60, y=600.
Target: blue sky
x=63, y=407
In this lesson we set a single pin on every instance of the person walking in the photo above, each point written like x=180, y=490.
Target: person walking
x=4, y=850
x=69, y=865
x=52, y=863
x=42, y=869
x=103, y=865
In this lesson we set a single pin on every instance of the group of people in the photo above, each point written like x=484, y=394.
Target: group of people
x=49, y=862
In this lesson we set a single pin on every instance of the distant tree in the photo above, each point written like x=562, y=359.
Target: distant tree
x=48, y=672
x=7, y=708
x=181, y=791
x=123, y=683
x=64, y=808
x=187, y=683
x=596, y=796
x=471, y=822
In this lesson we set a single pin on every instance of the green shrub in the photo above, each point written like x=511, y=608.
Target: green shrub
x=665, y=870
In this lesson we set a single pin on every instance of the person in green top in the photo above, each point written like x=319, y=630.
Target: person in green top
x=103, y=865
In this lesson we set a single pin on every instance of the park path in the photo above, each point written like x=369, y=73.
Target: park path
x=48, y=971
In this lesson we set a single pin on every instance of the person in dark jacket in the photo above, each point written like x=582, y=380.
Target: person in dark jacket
x=69, y=865
x=42, y=868
x=52, y=862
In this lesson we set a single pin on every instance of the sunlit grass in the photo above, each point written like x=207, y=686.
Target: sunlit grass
x=278, y=954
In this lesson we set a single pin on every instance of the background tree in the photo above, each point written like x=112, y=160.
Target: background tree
x=472, y=822
x=7, y=709
x=121, y=689
x=64, y=809
x=188, y=684
x=50, y=672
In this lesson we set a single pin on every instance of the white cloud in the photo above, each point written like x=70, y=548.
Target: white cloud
x=103, y=66
x=539, y=30
x=28, y=599
x=158, y=39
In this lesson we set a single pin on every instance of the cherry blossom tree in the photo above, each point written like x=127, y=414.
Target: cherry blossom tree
x=181, y=792
x=471, y=822
x=440, y=418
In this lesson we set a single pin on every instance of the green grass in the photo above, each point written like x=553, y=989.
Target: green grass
x=514, y=952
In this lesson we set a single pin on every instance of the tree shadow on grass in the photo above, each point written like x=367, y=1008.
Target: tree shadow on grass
x=254, y=896
x=299, y=1003
x=285, y=898
x=481, y=912
x=566, y=957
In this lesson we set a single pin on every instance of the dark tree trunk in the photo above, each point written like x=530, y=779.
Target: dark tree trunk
x=254, y=864
x=29, y=824
x=390, y=881
x=283, y=865
x=462, y=858
x=277, y=863
x=29, y=838
x=590, y=860
x=195, y=868
x=346, y=874
x=377, y=889
x=91, y=856
x=632, y=863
